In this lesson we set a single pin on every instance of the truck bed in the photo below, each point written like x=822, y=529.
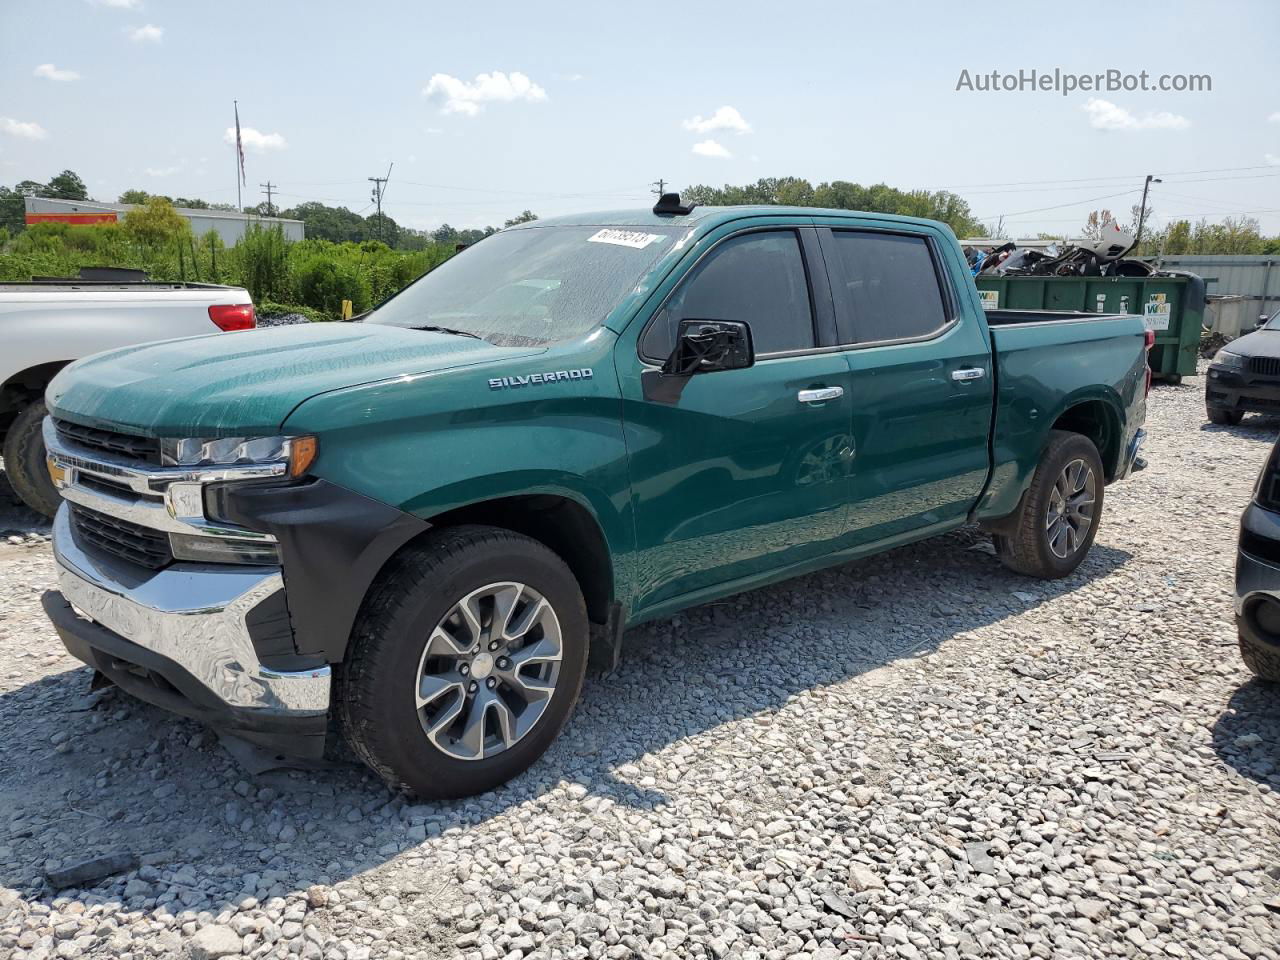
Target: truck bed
x=1045, y=361
x=1006, y=318
x=72, y=285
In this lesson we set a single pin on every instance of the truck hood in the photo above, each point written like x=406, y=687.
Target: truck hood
x=242, y=384
x=1260, y=343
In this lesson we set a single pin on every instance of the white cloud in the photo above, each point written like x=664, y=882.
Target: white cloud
x=434, y=130
x=50, y=72
x=163, y=171
x=1274, y=118
x=459, y=96
x=254, y=140
x=726, y=118
x=1105, y=115
x=118, y=4
x=1272, y=159
x=19, y=128
x=711, y=148
x=147, y=33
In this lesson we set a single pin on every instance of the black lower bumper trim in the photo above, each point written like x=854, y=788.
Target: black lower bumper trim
x=1240, y=393
x=164, y=683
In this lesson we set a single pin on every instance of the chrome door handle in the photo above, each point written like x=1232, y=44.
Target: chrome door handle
x=968, y=373
x=820, y=394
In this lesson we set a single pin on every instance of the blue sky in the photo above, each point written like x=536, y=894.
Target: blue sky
x=583, y=104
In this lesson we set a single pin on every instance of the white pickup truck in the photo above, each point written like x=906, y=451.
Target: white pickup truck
x=46, y=324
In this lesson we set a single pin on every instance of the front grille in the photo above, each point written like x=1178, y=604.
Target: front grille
x=139, y=449
x=1260, y=547
x=1267, y=366
x=137, y=544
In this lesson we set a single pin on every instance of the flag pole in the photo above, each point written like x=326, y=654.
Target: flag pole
x=239, y=203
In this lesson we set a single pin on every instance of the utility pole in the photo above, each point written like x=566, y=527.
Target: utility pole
x=267, y=188
x=1142, y=211
x=660, y=186
x=379, y=189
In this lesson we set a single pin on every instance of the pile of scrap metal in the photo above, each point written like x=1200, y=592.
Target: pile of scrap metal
x=1103, y=257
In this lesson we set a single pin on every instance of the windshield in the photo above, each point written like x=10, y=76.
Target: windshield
x=1273, y=323
x=530, y=287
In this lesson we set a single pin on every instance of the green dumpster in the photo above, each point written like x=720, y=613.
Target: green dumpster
x=1173, y=307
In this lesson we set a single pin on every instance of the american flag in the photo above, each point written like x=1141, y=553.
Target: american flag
x=239, y=145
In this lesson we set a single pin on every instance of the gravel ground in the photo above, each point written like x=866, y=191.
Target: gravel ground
x=919, y=755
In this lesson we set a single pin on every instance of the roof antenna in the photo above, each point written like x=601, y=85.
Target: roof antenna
x=669, y=205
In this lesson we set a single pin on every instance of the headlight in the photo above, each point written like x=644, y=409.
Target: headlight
x=1228, y=360
x=298, y=452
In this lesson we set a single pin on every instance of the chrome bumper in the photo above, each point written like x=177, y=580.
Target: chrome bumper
x=192, y=614
x=1132, y=461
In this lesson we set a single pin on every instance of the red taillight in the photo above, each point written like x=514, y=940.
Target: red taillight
x=233, y=316
x=1151, y=339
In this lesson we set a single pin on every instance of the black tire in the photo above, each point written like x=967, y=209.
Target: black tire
x=1026, y=548
x=1262, y=658
x=1223, y=416
x=375, y=703
x=24, y=461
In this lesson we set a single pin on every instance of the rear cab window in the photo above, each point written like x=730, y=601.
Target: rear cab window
x=886, y=286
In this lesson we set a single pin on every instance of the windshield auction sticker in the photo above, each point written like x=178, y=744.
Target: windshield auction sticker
x=625, y=238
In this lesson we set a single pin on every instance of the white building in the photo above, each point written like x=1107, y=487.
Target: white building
x=228, y=224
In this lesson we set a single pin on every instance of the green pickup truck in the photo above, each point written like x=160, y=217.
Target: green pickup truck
x=408, y=532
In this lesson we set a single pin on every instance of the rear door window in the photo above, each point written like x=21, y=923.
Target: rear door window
x=755, y=277
x=886, y=287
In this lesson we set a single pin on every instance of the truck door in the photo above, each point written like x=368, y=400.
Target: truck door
x=921, y=381
x=744, y=471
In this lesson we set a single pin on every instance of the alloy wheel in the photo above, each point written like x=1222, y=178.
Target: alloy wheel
x=489, y=670
x=1069, y=515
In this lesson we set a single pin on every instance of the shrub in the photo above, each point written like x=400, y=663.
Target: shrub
x=325, y=281
x=263, y=263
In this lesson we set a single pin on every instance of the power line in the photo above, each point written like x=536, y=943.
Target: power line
x=660, y=186
x=1127, y=176
x=1059, y=206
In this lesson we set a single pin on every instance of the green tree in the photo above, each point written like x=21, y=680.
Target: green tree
x=336, y=224
x=843, y=195
x=525, y=216
x=12, y=210
x=67, y=186
x=1177, y=239
x=133, y=196
x=156, y=223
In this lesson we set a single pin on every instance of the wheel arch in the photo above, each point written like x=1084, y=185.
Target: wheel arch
x=562, y=524
x=1099, y=420
x=17, y=390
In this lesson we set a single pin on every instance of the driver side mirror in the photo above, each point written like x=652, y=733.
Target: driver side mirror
x=1262, y=321
x=705, y=346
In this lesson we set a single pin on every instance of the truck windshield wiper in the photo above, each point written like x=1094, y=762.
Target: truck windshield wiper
x=457, y=333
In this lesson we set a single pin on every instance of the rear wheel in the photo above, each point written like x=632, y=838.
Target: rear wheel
x=1222, y=415
x=24, y=461
x=1059, y=515
x=465, y=662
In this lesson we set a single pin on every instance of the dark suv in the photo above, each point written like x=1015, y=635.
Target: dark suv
x=1245, y=375
x=1258, y=575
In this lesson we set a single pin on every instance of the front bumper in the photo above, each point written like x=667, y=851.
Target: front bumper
x=180, y=638
x=1233, y=390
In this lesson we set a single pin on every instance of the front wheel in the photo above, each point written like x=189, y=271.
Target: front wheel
x=1059, y=515
x=465, y=662
x=24, y=461
x=1223, y=416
